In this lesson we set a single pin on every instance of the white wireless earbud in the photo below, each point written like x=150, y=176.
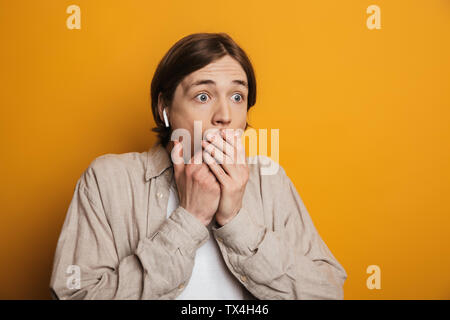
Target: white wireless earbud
x=166, y=121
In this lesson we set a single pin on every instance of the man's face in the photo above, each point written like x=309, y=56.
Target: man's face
x=216, y=95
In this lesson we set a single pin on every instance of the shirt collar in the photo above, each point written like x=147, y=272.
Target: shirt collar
x=158, y=161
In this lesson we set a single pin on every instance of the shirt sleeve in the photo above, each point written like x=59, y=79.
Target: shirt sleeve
x=86, y=263
x=289, y=262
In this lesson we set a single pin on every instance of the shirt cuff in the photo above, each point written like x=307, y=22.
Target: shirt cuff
x=241, y=234
x=184, y=230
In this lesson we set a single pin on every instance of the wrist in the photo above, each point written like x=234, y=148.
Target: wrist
x=221, y=221
x=199, y=216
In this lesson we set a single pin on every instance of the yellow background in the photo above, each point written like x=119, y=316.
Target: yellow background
x=363, y=116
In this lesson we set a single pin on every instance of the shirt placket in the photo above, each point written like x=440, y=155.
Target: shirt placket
x=158, y=199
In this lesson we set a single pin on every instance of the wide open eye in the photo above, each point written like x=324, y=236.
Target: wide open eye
x=237, y=97
x=202, y=97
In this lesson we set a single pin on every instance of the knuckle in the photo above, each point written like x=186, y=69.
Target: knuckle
x=197, y=176
x=209, y=148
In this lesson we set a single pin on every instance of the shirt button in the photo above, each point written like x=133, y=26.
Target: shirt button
x=159, y=195
x=181, y=286
x=220, y=240
x=243, y=278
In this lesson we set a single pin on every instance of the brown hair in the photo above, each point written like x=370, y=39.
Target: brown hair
x=187, y=55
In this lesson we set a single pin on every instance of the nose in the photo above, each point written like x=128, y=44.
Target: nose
x=222, y=114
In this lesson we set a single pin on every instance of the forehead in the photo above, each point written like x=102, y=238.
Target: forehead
x=225, y=70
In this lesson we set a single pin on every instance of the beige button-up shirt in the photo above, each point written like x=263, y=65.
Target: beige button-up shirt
x=117, y=243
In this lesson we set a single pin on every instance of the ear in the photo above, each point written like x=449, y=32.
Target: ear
x=161, y=107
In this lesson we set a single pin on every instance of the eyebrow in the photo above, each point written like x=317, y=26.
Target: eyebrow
x=208, y=81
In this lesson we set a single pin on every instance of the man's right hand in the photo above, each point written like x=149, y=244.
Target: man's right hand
x=198, y=188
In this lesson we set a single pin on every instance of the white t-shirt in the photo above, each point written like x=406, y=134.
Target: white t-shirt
x=210, y=279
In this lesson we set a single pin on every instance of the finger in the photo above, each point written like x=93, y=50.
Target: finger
x=221, y=144
x=217, y=154
x=177, y=158
x=223, y=160
x=216, y=169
